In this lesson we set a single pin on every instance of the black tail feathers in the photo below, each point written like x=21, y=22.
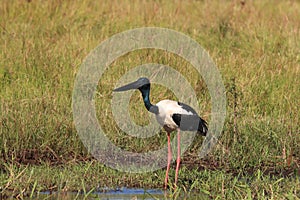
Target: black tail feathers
x=202, y=127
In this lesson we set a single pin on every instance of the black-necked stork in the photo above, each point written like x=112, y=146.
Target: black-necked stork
x=171, y=115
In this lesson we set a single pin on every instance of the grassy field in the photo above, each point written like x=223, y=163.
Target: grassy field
x=255, y=44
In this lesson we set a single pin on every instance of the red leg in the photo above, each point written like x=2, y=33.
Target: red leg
x=178, y=156
x=169, y=160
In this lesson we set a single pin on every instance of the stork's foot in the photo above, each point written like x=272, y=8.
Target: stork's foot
x=166, y=184
x=170, y=186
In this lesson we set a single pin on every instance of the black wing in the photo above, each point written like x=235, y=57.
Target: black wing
x=187, y=108
x=190, y=123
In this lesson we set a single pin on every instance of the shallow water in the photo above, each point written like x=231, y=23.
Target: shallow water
x=108, y=194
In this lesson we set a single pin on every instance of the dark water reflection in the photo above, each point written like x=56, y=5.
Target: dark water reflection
x=117, y=194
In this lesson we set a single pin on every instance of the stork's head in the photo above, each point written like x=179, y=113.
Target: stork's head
x=141, y=84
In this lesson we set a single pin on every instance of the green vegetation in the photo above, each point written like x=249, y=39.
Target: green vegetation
x=256, y=46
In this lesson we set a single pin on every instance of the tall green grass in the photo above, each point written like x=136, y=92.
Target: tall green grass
x=254, y=44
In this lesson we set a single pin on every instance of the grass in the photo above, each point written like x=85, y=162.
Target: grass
x=254, y=44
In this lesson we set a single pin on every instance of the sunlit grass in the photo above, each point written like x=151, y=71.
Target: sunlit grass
x=254, y=44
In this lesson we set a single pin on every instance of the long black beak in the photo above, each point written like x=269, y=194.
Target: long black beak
x=134, y=85
x=130, y=86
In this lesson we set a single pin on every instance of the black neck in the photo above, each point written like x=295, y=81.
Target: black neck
x=145, y=90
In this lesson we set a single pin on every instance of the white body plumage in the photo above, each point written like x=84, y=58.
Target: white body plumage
x=166, y=110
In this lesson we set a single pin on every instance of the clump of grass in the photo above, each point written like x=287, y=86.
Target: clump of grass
x=255, y=45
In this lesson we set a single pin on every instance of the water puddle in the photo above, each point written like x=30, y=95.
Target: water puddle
x=107, y=194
